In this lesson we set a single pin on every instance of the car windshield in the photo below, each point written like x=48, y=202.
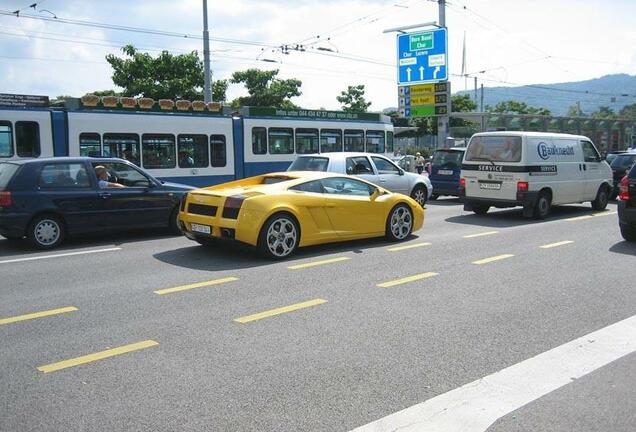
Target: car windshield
x=495, y=148
x=448, y=158
x=623, y=161
x=309, y=163
x=6, y=174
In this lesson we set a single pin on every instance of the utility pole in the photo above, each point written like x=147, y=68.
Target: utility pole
x=207, y=84
x=475, y=91
x=442, y=121
x=481, y=105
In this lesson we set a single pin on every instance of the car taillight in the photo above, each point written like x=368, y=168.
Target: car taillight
x=232, y=206
x=462, y=187
x=5, y=199
x=623, y=189
x=522, y=186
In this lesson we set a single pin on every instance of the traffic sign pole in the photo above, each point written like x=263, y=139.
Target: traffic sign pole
x=443, y=120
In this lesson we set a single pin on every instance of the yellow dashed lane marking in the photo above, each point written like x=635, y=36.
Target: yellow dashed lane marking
x=279, y=311
x=561, y=243
x=407, y=279
x=481, y=234
x=195, y=285
x=317, y=263
x=96, y=356
x=492, y=259
x=37, y=315
x=400, y=248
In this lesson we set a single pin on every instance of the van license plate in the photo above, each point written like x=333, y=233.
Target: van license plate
x=445, y=172
x=490, y=186
x=205, y=229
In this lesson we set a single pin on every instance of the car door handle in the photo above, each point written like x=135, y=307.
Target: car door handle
x=105, y=195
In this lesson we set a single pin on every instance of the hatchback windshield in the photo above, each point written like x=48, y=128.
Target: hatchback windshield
x=6, y=174
x=309, y=163
x=496, y=148
x=623, y=161
x=448, y=158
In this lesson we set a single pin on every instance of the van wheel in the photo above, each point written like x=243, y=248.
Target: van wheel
x=602, y=196
x=628, y=232
x=480, y=209
x=542, y=206
x=434, y=196
x=46, y=231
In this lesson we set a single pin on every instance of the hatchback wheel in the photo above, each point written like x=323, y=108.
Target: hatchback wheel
x=46, y=232
x=399, y=223
x=279, y=236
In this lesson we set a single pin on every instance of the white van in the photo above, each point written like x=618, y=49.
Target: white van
x=532, y=169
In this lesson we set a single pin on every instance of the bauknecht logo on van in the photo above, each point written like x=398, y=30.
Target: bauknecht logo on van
x=546, y=151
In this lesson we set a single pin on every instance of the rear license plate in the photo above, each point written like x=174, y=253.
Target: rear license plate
x=490, y=186
x=205, y=229
x=445, y=172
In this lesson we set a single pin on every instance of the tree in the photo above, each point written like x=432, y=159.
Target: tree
x=219, y=89
x=514, y=107
x=166, y=76
x=604, y=112
x=265, y=89
x=352, y=99
x=462, y=103
x=575, y=111
x=628, y=111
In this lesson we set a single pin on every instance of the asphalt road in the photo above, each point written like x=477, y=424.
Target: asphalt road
x=363, y=342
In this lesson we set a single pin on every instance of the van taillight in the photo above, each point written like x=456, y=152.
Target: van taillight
x=462, y=183
x=623, y=189
x=5, y=199
x=522, y=186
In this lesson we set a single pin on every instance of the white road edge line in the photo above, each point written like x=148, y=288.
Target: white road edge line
x=60, y=255
x=475, y=406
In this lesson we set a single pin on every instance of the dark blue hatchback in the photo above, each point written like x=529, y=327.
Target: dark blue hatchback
x=445, y=171
x=45, y=200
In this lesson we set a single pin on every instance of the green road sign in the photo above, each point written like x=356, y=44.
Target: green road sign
x=421, y=41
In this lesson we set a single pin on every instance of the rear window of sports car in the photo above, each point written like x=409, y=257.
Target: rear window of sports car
x=309, y=163
x=275, y=179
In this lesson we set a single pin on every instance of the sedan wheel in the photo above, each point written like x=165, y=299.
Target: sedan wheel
x=46, y=232
x=419, y=194
x=400, y=223
x=279, y=237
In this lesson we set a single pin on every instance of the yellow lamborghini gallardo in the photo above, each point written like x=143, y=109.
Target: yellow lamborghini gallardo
x=281, y=211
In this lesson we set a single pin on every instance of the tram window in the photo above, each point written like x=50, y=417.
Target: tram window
x=125, y=146
x=90, y=144
x=27, y=138
x=389, y=142
x=217, y=150
x=6, y=139
x=281, y=140
x=330, y=140
x=375, y=141
x=259, y=140
x=193, y=151
x=158, y=151
x=306, y=141
x=354, y=140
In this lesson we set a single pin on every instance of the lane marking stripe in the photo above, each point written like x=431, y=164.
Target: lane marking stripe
x=60, y=255
x=416, y=245
x=475, y=406
x=561, y=243
x=491, y=259
x=606, y=213
x=481, y=234
x=280, y=310
x=195, y=285
x=407, y=279
x=576, y=218
x=317, y=263
x=97, y=356
x=35, y=315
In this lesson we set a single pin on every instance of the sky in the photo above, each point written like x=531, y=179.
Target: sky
x=508, y=42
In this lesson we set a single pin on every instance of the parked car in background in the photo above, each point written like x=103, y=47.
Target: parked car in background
x=627, y=205
x=445, y=171
x=620, y=165
x=279, y=212
x=45, y=200
x=610, y=156
x=371, y=167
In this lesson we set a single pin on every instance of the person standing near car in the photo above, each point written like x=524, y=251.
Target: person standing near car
x=419, y=163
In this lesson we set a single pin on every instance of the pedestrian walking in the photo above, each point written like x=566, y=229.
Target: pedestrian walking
x=419, y=162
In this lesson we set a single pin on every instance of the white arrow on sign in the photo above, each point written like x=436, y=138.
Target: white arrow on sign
x=408, y=74
x=421, y=73
x=435, y=72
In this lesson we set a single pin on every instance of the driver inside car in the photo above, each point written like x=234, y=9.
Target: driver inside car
x=102, y=178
